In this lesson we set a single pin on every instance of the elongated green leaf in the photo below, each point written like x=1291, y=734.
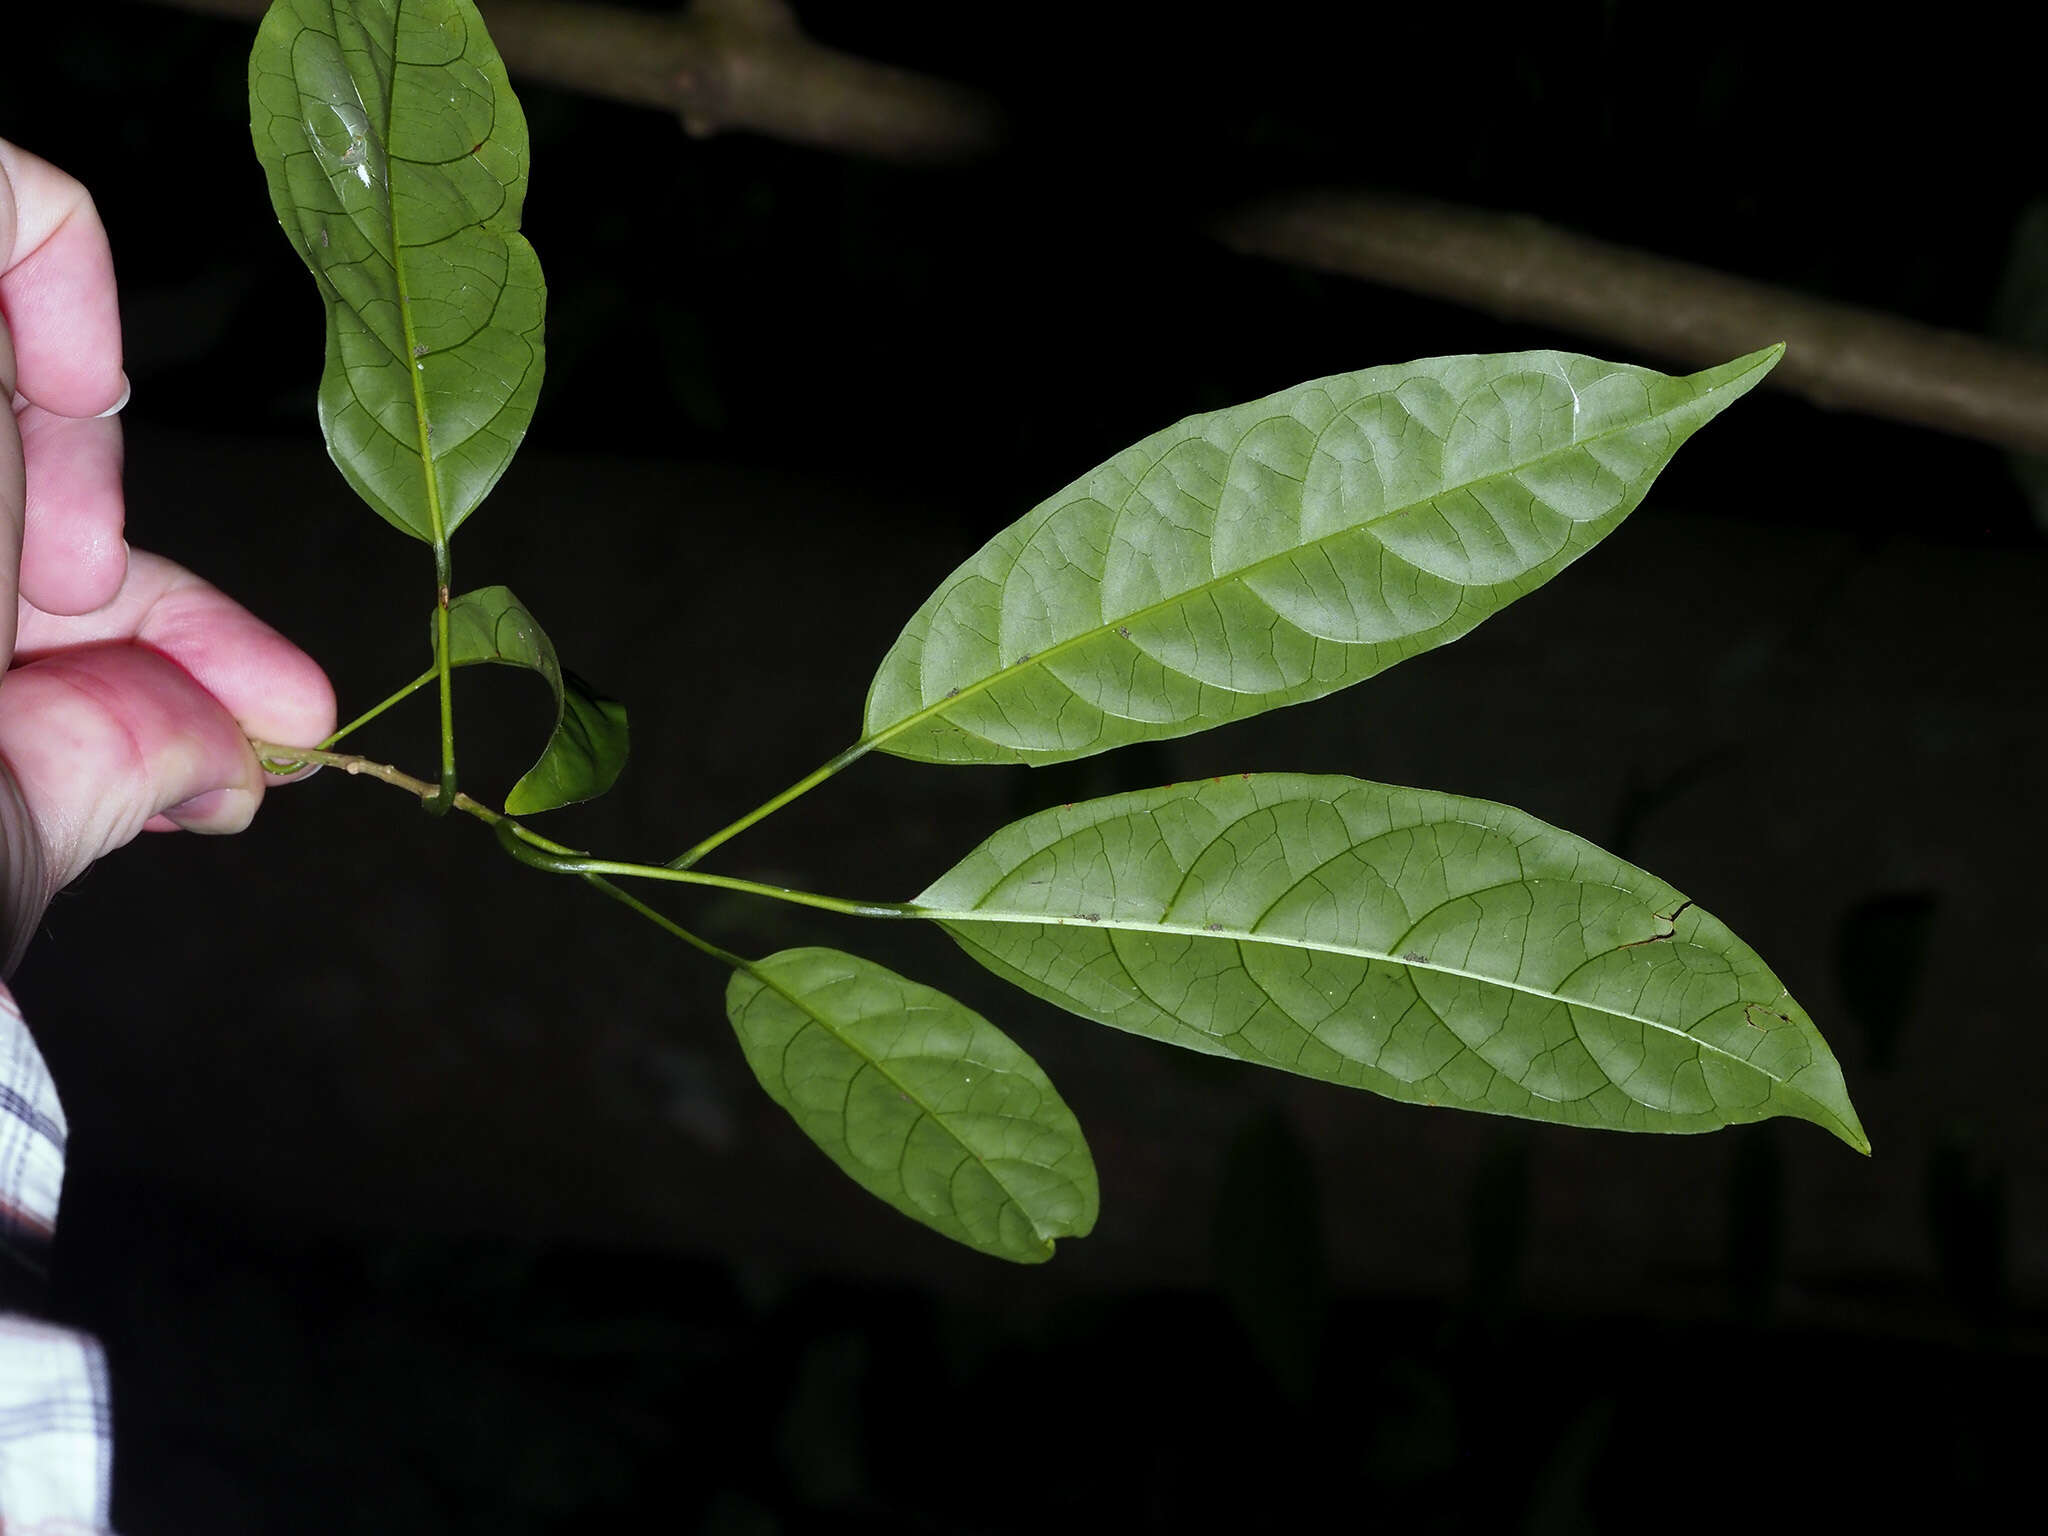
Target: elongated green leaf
x=919, y=1099
x=396, y=155
x=587, y=748
x=1281, y=550
x=1427, y=947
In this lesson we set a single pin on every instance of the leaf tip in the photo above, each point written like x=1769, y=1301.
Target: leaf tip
x=1752, y=366
x=1719, y=387
x=1848, y=1129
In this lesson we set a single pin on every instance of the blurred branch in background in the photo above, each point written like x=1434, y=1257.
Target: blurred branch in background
x=1523, y=269
x=746, y=66
x=728, y=66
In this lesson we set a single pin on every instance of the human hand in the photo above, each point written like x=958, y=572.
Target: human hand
x=129, y=688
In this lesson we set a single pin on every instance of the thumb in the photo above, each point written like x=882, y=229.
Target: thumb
x=97, y=741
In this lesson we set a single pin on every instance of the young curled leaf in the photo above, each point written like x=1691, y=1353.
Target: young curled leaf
x=1424, y=946
x=1278, y=551
x=587, y=748
x=919, y=1099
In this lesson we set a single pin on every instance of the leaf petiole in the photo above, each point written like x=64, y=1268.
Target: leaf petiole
x=704, y=946
x=802, y=786
x=444, y=671
x=375, y=710
x=531, y=849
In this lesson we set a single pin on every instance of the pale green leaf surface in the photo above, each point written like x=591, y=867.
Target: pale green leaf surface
x=396, y=155
x=1281, y=550
x=919, y=1099
x=1430, y=948
x=587, y=748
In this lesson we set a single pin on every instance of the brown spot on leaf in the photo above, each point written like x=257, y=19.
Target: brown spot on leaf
x=1751, y=1010
x=1670, y=928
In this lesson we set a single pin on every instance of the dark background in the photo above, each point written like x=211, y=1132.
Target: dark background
x=411, y=1191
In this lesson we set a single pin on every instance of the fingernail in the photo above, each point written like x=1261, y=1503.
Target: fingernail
x=218, y=810
x=116, y=408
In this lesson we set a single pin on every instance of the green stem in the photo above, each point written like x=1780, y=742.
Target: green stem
x=626, y=898
x=544, y=853
x=375, y=710
x=802, y=786
x=443, y=670
x=540, y=854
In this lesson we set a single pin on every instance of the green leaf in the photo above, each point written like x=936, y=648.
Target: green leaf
x=396, y=156
x=1281, y=550
x=1428, y=947
x=587, y=748
x=919, y=1099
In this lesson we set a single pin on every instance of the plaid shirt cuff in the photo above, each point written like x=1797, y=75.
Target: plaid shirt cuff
x=56, y=1441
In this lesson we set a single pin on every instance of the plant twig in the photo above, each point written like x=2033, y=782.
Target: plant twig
x=543, y=853
x=281, y=758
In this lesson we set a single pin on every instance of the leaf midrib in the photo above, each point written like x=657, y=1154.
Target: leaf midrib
x=1354, y=951
x=437, y=531
x=1058, y=647
x=1044, y=1237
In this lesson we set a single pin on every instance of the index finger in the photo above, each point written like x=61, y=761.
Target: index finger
x=13, y=495
x=57, y=289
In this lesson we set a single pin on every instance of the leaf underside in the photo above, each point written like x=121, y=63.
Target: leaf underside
x=1427, y=947
x=919, y=1099
x=1277, y=551
x=396, y=155
x=587, y=748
